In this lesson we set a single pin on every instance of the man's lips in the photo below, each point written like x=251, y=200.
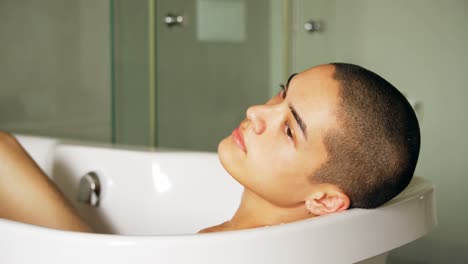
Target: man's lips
x=239, y=139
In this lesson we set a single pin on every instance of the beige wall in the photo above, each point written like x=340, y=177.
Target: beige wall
x=54, y=68
x=421, y=47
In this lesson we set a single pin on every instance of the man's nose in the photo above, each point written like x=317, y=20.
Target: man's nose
x=257, y=120
x=262, y=116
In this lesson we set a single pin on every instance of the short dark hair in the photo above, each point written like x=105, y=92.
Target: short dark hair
x=374, y=148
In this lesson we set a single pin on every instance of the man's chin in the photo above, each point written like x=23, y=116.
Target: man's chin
x=224, y=152
x=229, y=156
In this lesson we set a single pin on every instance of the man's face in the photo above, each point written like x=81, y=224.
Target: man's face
x=280, y=144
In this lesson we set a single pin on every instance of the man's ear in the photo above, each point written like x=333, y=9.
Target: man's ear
x=327, y=201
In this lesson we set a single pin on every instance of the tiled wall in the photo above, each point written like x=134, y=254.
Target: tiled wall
x=55, y=68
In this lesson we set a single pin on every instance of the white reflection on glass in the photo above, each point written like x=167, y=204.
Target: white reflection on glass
x=160, y=179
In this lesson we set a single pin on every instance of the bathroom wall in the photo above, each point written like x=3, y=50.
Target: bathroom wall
x=419, y=46
x=55, y=68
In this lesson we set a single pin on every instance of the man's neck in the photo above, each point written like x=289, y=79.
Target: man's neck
x=254, y=211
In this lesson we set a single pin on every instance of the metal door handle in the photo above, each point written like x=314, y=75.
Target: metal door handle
x=173, y=20
x=312, y=26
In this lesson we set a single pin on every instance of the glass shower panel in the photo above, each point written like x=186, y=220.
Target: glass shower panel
x=209, y=69
x=55, y=68
x=133, y=34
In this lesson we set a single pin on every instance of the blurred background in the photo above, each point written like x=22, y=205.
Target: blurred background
x=181, y=73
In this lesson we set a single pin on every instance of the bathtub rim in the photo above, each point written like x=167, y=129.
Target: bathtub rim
x=426, y=189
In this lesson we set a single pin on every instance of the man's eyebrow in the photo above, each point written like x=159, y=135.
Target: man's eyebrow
x=299, y=120
x=289, y=80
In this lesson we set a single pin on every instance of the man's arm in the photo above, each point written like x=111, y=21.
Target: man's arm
x=28, y=195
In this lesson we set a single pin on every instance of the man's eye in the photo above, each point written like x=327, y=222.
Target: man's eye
x=283, y=91
x=283, y=94
x=288, y=131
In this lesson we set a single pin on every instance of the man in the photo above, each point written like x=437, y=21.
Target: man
x=337, y=136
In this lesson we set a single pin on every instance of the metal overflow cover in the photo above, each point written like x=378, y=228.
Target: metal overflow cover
x=90, y=189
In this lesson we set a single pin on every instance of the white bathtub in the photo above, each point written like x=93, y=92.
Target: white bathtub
x=153, y=203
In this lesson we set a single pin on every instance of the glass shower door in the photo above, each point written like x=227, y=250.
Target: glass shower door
x=209, y=69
